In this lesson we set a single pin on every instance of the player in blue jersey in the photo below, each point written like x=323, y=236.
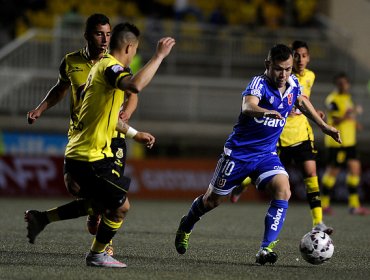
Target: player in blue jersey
x=250, y=150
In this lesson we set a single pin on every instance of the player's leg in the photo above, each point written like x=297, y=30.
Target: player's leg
x=311, y=183
x=37, y=220
x=238, y=191
x=279, y=188
x=227, y=175
x=111, y=189
x=111, y=221
x=353, y=181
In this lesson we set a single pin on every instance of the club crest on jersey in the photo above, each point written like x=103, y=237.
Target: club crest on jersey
x=290, y=98
x=221, y=182
x=119, y=153
x=271, y=100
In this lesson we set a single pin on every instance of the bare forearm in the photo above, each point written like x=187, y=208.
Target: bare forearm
x=305, y=106
x=55, y=94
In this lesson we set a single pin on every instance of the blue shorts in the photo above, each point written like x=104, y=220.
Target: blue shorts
x=231, y=172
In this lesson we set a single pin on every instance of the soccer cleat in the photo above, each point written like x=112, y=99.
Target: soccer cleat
x=266, y=255
x=92, y=223
x=109, y=249
x=322, y=227
x=182, y=239
x=36, y=222
x=328, y=211
x=103, y=260
x=359, y=211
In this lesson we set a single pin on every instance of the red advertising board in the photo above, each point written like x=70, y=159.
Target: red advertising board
x=151, y=178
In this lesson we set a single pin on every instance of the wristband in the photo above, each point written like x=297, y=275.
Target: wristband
x=131, y=132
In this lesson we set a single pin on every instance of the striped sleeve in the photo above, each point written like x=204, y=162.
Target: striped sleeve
x=255, y=87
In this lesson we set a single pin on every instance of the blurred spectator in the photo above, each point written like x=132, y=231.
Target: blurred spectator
x=217, y=16
x=186, y=10
x=272, y=13
x=304, y=12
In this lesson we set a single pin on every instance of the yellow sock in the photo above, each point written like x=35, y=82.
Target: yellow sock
x=247, y=181
x=106, y=232
x=328, y=183
x=314, y=200
x=352, y=183
x=98, y=247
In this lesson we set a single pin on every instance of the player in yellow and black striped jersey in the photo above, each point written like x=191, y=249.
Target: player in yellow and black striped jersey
x=73, y=72
x=296, y=143
x=90, y=171
x=342, y=114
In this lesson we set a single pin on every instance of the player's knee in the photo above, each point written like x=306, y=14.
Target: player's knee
x=71, y=185
x=212, y=200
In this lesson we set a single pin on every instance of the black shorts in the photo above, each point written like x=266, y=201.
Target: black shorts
x=119, y=151
x=99, y=181
x=298, y=154
x=340, y=156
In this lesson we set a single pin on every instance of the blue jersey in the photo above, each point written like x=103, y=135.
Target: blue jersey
x=252, y=137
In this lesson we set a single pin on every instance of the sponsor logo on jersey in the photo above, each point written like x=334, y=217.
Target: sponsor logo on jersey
x=75, y=69
x=277, y=219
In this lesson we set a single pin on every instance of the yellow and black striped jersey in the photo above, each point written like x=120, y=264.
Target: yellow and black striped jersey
x=297, y=128
x=337, y=105
x=74, y=69
x=91, y=137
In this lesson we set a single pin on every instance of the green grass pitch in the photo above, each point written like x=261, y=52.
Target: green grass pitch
x=223, y=244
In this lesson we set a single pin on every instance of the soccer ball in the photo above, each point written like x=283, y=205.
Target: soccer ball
x=316, y=247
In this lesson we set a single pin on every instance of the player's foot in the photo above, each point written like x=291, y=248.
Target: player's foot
x=360, y=211
x=109, y=249
x=266, y=255
x=103, y=260
x=92, y=222
x=236, y=193
x=182, y=239
x=36, y=222
x=328, y=211
x=322, y=227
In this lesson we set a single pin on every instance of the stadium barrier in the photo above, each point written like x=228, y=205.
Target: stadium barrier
x=34, y=176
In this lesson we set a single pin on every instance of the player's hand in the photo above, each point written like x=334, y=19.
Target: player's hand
x=145, y=138
x=32, y=116
x=272, y=114
x=333, y=132
x=164, y=46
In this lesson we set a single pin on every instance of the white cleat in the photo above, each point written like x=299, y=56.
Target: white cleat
x=103, y=260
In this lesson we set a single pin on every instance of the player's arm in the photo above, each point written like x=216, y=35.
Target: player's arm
x=251, y=109
x=129, y=107
x=141, y=79
x=309, y=111
x=54, y=95
x=139, y=136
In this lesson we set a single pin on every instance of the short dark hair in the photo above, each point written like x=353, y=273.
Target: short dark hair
x=279, y=52
x=299, y=44
x=340, y=75
x=94, y=20
x=123, y=33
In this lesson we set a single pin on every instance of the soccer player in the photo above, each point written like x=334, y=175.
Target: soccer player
x=342, y=114
x=73, y=72
x=296, y=142
x=90, y=171
x=250, y=150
